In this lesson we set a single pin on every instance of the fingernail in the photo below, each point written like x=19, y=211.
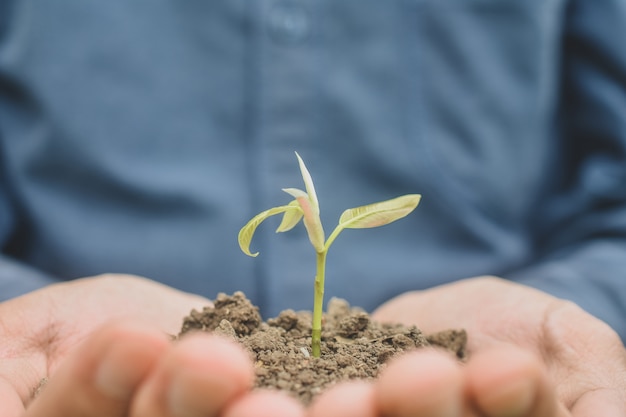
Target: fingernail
x=512, y=399
x=113, y=380
x=191, y=394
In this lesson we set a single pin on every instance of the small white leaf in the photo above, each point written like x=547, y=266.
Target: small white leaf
x=308, y=183
x=379, y=214
x=312, y=221
x=296, y=193
x=291, y=217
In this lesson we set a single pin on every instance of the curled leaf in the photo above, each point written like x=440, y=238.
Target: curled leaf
x=247, y=232
x=379, y=214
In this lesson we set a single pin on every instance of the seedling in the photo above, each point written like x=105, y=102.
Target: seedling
x=305, y=207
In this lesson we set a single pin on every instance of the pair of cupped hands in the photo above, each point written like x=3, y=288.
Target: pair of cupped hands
x=103, y=344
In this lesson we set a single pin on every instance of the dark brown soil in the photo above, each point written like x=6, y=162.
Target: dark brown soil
x=353, y=346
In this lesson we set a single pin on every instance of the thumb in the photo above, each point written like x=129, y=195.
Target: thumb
x=11, y=404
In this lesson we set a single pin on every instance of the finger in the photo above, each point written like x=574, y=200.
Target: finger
x=102, y=375
x=350, y=399
x=602, y=402
x=509, y=382
x=11, y=403
x=265, y=404
x=199, y=376
x=424, y=382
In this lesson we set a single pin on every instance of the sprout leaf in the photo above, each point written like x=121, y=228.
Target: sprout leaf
x=379, y=214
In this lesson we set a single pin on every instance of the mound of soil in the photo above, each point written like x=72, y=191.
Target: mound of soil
x=353, y=346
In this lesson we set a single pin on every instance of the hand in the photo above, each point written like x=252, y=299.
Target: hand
x=104, y=343
x=530, y=355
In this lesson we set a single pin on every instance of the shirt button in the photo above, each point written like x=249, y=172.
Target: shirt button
x=288, y=22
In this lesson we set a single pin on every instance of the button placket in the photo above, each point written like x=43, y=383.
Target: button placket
x=288, y=21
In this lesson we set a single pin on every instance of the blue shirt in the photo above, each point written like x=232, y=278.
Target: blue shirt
x=140, y=136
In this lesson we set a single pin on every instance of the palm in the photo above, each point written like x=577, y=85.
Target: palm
x=581, y=353
x=52, y=322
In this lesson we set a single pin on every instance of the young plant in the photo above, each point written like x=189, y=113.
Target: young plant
x=306, y=207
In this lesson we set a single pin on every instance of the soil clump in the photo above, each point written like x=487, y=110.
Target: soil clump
x=353, y=345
